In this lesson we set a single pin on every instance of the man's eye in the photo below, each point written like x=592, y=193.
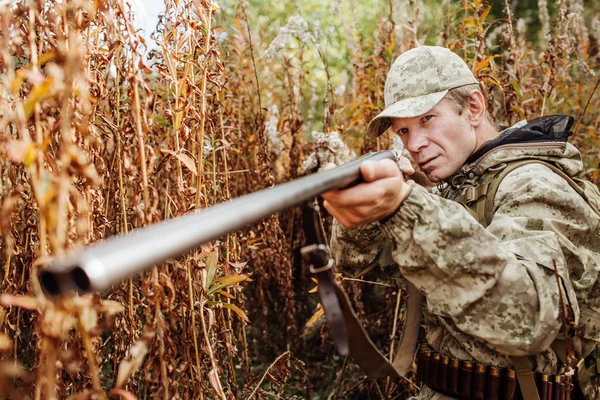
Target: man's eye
x=402, y=131
x=427, y=117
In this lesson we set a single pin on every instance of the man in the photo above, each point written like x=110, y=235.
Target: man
x=492, y=293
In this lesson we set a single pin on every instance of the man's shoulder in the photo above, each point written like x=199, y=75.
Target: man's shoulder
x=532, y=174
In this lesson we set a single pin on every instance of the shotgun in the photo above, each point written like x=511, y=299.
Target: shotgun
x=97, y=267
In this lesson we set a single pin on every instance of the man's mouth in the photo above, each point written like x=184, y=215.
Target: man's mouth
x=424, y=164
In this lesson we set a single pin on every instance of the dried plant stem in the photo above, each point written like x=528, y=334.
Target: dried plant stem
x=200, y=137
x=47, y=382
x=193, y=315
x=7, y=268
x=391, y=357
x=42, y=225
x=287, y=353
x=586, y=106
x=160, y=332
x=364, y=281
x=214, y=167
x=125, y=228
x=546, y=92
x=329, y=99
x=138, y=121
x=226, y=320
x=243, y=5
x=16, y=341
x=92, y=364
x=65, y=132
x=211, y=355
x=140, y=137
x=395, y=323
x=511, y=32
x=224, y=152
x=178, y=116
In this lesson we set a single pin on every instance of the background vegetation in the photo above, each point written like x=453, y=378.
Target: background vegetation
x=103, y=133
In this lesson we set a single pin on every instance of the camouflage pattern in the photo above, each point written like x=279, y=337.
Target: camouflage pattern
x=327, y=148
x=417, y=81
x=492, y=293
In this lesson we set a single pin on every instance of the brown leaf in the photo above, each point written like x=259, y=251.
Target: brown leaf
x=137, y=352
x=111, y=307
x=211, y=267
x=165, y=280
x=225, y=294
x=143, y=66
x=214, y=381
x=185, y=160
x=238, y=264
x=238, y=311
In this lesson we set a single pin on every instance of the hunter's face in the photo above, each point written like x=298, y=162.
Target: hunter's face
x=440, y=141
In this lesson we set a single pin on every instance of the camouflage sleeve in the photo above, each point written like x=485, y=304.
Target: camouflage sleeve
x=357, y=248
x=495, y=284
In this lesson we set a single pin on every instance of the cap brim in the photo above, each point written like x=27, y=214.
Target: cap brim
x=407, y=108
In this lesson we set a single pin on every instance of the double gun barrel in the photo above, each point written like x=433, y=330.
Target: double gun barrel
x=97, y=267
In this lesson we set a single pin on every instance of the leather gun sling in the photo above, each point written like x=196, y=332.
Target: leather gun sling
x=364, y=352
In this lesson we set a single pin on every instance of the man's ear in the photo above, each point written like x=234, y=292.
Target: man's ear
x=477, y=108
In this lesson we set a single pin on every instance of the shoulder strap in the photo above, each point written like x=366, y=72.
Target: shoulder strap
x=496, y=179
x=526, y=378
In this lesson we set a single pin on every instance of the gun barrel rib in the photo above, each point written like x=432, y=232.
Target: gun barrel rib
x=101, y=265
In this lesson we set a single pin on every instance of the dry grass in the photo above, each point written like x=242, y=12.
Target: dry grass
x=102, y=136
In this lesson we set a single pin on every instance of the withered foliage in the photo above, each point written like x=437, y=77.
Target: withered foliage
x=103, y=133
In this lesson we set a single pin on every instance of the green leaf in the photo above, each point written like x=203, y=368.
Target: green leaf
x=225, y=281
x=517, y=88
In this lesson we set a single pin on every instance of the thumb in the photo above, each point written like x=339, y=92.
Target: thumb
x=405, y=166
x=374, y=170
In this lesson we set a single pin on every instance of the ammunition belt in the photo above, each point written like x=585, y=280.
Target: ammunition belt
x=466, y=380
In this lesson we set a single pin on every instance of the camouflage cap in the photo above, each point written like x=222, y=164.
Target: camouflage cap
x=417, y=81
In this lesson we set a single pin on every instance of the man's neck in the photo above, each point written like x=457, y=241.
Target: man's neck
x=485, y=132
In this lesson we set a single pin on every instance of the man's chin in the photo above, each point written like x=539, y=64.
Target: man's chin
x=433, y=178
x=436, y=175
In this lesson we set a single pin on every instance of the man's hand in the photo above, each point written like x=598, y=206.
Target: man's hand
x=376, y=198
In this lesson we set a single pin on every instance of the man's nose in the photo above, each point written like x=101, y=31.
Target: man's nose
x=416, y=141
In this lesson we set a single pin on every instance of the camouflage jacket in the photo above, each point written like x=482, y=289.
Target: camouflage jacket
x=491, y=293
